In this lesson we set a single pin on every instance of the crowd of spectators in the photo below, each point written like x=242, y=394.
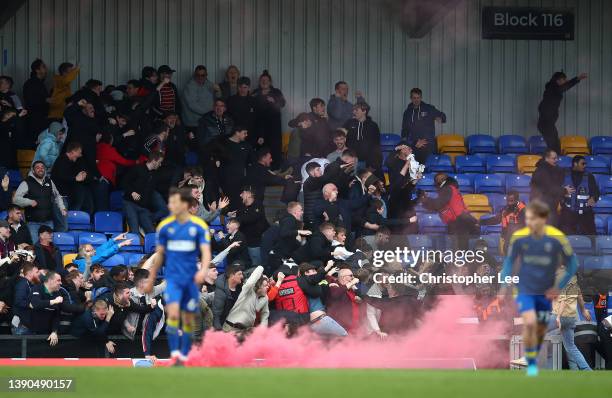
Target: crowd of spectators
x=309, y=267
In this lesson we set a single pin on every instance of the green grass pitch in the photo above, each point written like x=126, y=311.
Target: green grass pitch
x=313, y=383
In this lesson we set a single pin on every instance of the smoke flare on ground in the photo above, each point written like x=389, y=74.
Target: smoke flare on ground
x=439, y=342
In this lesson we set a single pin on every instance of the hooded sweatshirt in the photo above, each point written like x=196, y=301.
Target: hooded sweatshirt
x=364, y=138
x=48, y=149
x=420, y=122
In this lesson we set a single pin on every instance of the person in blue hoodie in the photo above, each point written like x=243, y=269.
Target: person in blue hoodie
x=339, y=108
x=419, y=127
x=50, y=143
x=88, y=255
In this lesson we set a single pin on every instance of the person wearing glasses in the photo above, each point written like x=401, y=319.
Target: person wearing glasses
x=343, y=303
x=198, y=97
x=581, y=194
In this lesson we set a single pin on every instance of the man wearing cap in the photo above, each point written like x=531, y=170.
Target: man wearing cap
x=242, y=109
x=50, y=144
x=168, y=93
x=38, y=195
x=7, y=246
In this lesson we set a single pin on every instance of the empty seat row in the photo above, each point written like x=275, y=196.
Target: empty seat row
x=70, y=241
x=104, y=221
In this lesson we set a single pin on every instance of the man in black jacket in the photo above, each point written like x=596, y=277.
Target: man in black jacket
x=318, y=249
x=71, y=178
x=19, y=230
x=119, y=299
x=22, y=311
x=253, y=224
x=547, y=184
x=242, y=108
x=237, y=155
x=142, y=204
x=84, y=128
x=549, y=107
x=92, y=326
x=313, y=191
x=239, y=251
x=35, y=95
x=290, y=236
x=582, y=192
x=363, y=136
x=228, y=288
x=91, y=94
x=48, y=256
x=259, y=175
x=45, y=302
x=319, y=136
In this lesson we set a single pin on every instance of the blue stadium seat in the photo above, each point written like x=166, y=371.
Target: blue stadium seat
x=65, y=241
x=114, y=260
x=390, y=140
x=430, y=223
x=490, y=229
x=581, y=244
x=14, y=178
x=465, y=181
x=609, y=223
x=597, y=164
x=132, y=258
x=497, y=201
x=511, y=143
x=595, y=263
x=93, y=238
x=536, y=144
x=501, y=164
x=191, y=158
x=485, y=183
x=149, y=243
x=439, y=164
x=604, y=182
x=518, y=182
x=135, y=246
x=565, y=162
x=470, y=164
x=603, y=245
x=108, y=222
x=420, y=241
x=603, y=205
x=427, y=183
x=600, y=224
x=78, y=221
x=3, y=215
x=601, y=145
x=481, y=143
x=116, y=201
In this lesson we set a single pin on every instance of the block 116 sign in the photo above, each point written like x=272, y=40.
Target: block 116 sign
x=523, y=23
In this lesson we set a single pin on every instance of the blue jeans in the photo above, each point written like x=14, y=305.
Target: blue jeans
x=140, y=217
x=575, y=358
x=255, y=254
x=327, y=326
x=33, y=228
x=20, y=330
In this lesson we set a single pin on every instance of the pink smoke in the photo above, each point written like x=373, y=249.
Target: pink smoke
x=439, y=342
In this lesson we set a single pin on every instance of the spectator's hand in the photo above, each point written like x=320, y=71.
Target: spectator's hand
x=136, y=196
x=421, y=143
x=57, y=300
x=358, y=94
x=334, y=285
x=371, y=189
x=129, y=133
x=288, y=177
x=87, y=286
x=260, y=141
x=220, y=234
x=110, y=347
x=82, y=102
x=218, y=164
x=64, y=213
x=325, y=216
x=120, y=237
x=204, y=289
x=279, y=278
x=130, y=328
x=381, y=335
x=23, y=112
x=125, y=243
x=569, y=189
x=358, y=299
x=81, y=176
x=413, y=219
x=110, y=313
x=591, y=202
x=558, y=320
x=3, y=307
x=200, y=277
x=52, y=339
x=270, y=99
x=34, y=203
x=5, y=183
x=587, y=315
x=212, y=206
x=582, y=76
x=223, y=202
x=333, y=271
x=304, y=232
x=438, y=119
x=373, y=227
x=191, y=136
x=6, y=103
x=112, y=121
x=232, y=214
x=235, y=244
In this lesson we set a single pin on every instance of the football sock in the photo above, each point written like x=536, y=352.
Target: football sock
x=173, y=337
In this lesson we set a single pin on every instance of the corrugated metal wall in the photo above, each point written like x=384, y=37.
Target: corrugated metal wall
x=307, y=45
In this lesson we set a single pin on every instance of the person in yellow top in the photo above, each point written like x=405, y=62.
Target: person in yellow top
x=67, y=72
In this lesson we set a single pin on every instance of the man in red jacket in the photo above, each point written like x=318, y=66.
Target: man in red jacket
x=343, y=302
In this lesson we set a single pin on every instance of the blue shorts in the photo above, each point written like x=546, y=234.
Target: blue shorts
x=187, y=295
x=534, y=302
